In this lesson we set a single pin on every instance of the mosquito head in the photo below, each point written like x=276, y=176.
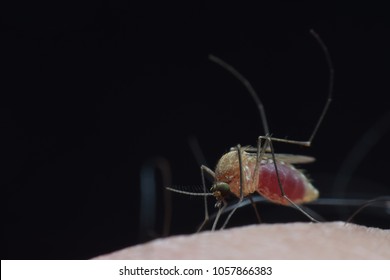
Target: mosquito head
x=220, y=190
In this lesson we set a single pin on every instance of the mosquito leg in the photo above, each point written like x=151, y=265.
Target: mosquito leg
x=268, y=142
x=259, y=155
x=247, y=85
x=220, y=211
x=254, y=178
x=259, y=103
x=381, y=199
x=239, y=151
x=204, y=169
x=255, y=208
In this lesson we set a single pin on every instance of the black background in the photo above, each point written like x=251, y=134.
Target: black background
x=91, y=92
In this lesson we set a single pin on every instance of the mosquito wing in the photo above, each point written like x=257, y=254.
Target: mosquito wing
x=288, y=158
x=293, y=159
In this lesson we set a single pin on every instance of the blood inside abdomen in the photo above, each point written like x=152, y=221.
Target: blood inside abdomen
x=293, y=181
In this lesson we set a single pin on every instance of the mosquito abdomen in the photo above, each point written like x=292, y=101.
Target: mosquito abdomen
x=295, y=184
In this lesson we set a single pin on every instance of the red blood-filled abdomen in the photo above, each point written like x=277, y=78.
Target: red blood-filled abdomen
x=296, y=186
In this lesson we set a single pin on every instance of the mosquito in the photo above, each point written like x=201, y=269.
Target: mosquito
x=245, y=170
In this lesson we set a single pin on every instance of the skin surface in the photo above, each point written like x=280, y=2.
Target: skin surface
x=335, y=240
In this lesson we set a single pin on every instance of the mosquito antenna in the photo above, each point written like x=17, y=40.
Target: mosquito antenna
x=189, y=193
x=248, y=86
x=330, y=86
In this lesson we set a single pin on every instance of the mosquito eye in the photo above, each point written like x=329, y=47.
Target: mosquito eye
x=222, y=187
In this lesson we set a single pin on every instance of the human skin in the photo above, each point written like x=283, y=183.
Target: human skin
x=334, y=240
